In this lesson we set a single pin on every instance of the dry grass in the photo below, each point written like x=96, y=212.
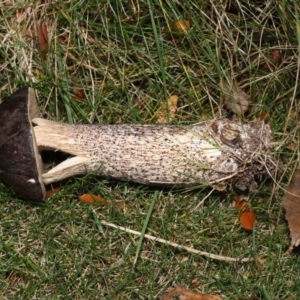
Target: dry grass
x=127, y=58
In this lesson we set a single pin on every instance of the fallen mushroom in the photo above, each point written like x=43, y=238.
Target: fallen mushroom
x=221, y=153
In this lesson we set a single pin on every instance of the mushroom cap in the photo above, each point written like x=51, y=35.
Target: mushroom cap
x=20, y=162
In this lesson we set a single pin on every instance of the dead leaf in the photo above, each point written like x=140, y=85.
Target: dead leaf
x=182, y=25
x=291, y=204
x=167, y=112
x=51, y=191
x=247, y=219
x=262, y=117
x=274, y=61
x=184, y=294
x=236, y=99
x=78, y=95
x=246, y=216
x=42, y=34
x=195, y=282
x=92, y=199
x=292, y=146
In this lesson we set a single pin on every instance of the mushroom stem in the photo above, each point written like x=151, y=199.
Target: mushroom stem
x=220, y=153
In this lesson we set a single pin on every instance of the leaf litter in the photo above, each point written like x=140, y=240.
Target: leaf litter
x=42, y=34
x=182, y=25
x=92, y=199
x=185, y=294
x=246, y=213
x=236, y=99
x=291, y=204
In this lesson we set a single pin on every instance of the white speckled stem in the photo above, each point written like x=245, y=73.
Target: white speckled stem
x=217, y=153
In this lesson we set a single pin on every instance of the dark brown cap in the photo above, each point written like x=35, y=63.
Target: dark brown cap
x=20, y=162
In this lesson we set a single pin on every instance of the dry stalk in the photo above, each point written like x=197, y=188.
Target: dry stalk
x=221, y=153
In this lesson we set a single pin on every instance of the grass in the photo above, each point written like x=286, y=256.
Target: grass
x=128, y=59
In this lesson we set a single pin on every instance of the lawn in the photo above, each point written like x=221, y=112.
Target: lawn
x=113, y=62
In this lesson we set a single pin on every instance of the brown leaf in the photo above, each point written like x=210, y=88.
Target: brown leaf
x=262, y=117
x=51, y=191
x=236, y=99
x=291, y=204
x=167, y=112
x=246, y=216
x=92, y=199
x=292, y=146
x=182, y=25
x=275, y=59
x=78, y=95
x=42, y=34
x=184, y=294
x=247, y=219
x=195, y=282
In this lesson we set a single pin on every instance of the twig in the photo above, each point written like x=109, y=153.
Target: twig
x=189, y=249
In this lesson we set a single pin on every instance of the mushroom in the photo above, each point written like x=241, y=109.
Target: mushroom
x=20, y=162
x=221, y=153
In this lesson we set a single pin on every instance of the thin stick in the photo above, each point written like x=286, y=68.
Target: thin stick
x=189, y=249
